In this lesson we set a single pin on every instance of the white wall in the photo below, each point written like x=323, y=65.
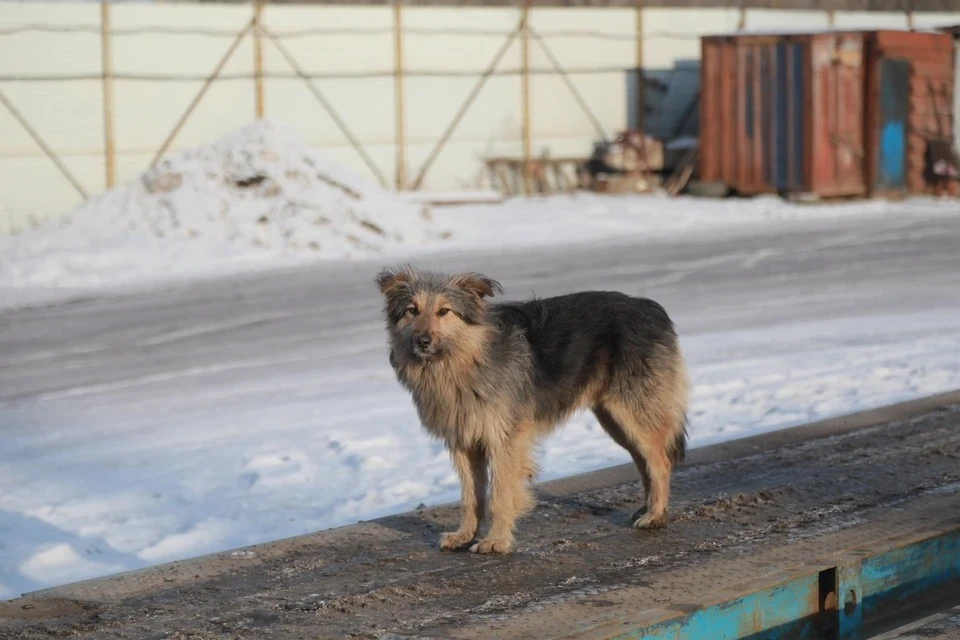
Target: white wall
x=69, y=114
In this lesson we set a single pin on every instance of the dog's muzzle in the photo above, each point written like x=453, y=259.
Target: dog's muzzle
x=423, y=345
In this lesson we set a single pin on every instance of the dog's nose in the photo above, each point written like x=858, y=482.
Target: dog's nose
x=422, y=342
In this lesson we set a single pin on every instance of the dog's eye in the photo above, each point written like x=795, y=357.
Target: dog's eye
x=411, y=310
x=444, y=311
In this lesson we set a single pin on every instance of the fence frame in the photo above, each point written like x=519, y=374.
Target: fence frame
x=257, y=29
x=46, y=148
x=203, y=90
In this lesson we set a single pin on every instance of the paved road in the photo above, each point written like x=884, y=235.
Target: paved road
x=797, y=272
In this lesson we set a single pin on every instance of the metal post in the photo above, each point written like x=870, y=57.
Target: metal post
x=910, y=24
x=106, y=60
x=742, y=22
x=525, y=97
x=641, y=84
x=258, y=56
x=831, y=18
x=398, y=93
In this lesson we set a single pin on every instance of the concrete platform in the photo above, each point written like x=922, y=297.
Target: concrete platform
x=757, y=511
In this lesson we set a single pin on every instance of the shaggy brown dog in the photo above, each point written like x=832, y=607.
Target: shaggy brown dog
x=489, y=379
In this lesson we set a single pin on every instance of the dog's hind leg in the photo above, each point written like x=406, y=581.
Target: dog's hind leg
x=651, y=438
x=471, y=465
x=660, y=467
x=619, y=435
x=511, y=496
x=650, y=405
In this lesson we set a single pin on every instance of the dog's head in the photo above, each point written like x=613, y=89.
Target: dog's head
x=432, y=315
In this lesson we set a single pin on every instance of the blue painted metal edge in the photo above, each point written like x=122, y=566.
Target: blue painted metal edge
x=831, y=599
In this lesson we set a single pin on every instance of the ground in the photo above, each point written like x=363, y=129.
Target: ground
x=202, y=415
x=743, y=512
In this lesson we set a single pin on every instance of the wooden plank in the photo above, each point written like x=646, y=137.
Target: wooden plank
x=106, y=56
x=641, y=84
x=481, y=81
x=203, y=90
x=399, y=97
x=525, y=99
x=259, y=109
x=46, y=148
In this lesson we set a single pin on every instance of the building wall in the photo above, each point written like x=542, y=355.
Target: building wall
x=69, y=114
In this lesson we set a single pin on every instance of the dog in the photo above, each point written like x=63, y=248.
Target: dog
x=489, y=379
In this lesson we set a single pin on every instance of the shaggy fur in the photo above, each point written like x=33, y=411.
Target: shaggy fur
x=490, y=379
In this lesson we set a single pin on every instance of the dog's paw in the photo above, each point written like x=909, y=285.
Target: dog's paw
x=454, y=540
x=650, y=521
x=492, y=545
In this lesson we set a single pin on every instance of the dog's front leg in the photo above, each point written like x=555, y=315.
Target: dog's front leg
x=471, y=465
x=510, y=495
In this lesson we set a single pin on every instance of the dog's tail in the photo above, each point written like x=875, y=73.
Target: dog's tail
x=677, y=450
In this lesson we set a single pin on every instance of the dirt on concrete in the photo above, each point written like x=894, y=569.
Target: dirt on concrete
x=761, y=498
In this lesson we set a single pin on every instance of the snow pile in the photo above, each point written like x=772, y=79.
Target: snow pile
x=262, y=188
x=256, y=194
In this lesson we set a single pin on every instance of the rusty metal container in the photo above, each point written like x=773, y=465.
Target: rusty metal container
x=783, y=113
x=909, y=106
x=717, y=118
x=837, y=162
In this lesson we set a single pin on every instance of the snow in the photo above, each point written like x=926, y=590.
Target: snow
x=187, y=420
x=138, y=474
x=257, y=196
x=451, y=197
x=190, y=217
x=591, y=218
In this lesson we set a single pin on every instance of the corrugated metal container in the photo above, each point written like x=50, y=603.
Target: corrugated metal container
x=714, y=94
x=837, y=161
x=910, y=94
x=955, y=32
x=783, y=113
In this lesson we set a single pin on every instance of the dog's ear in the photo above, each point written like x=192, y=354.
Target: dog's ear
x=478, y=284
x=389, y=279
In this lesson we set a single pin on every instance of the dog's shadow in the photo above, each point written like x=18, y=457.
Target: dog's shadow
x=578, y=509
x=554, y=515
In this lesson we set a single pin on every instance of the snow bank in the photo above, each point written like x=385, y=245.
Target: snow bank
x=258, y=194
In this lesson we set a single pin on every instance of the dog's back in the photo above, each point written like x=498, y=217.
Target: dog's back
x=597, y=343
x=579, y=336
